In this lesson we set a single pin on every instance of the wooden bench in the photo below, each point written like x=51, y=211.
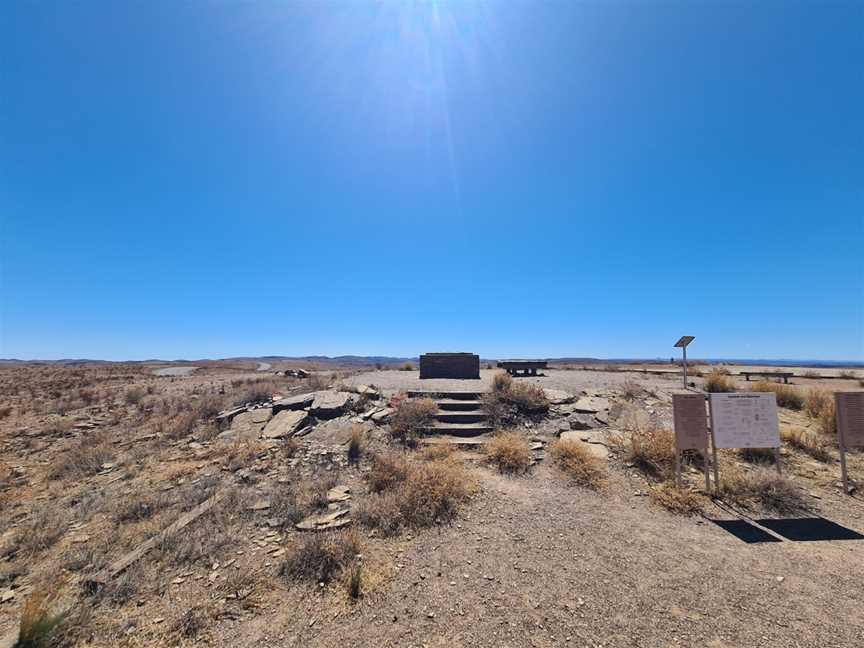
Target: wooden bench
x=785, y=375
x=525, y=367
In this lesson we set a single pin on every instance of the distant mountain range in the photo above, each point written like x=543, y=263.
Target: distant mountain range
x=368, y=361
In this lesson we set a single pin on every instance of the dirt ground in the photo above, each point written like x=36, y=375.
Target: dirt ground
x=97, y=460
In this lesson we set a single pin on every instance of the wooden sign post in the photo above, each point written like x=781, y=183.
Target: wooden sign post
x=744, y=420
x=691, y=430
x=849, y=414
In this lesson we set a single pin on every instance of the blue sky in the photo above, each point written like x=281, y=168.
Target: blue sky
x=214, y=179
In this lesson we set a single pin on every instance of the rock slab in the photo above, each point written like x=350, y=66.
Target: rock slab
x=286, y=423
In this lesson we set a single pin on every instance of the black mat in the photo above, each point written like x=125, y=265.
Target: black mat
x=745, y=531
x=810, y=529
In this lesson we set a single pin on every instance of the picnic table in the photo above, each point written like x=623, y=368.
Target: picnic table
x=785, y=375
x=523, y=367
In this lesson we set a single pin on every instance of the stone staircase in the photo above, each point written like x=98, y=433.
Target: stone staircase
x=460, y=414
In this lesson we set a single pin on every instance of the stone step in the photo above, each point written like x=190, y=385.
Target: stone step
x=466, y=443
x=470, y=416
x=460, y=429
x=452, y=404
x=439, y=395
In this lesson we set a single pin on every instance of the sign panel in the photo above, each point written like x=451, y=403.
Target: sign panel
x=747, y=420
x=691, y=421
x=849, y=409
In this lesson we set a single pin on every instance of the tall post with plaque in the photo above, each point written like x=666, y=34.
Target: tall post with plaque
x=849, y=414
x=691, y=431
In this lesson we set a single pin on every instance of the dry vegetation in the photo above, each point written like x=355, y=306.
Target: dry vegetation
x=718, y=380
x=649, y=449
x=816, y=445
x=680, y=500
x=761, y=489
x=510, y=402
x=788, y=396
x=578, y=465
x=509, y=452
x=411, y=418
x=406, y=493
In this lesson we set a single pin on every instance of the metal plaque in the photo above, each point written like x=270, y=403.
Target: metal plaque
x=746, y=420
x=849, y=410
x=691, y=421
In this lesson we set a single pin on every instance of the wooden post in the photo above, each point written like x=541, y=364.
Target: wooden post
x=777, y=460
x=841, y=444
x=713, y=447
x=707, y=471
x=677, y=468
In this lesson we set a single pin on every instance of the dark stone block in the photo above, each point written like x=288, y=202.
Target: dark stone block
x=450, y=365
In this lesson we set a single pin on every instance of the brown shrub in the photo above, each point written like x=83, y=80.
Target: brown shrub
x=682, y=501
x=509, y=451
x=763, y=489
x=816, y=400
x=508, y=402
x=45, y=526
x=437, y=452
x=138, y=506
x=718, y=381
x=290, y=503
x=651, y=450
x=578, y=464
x=406, y=493
x=132, y=396
x=320, y=557
x=411, y=418
x=787, y=395
x=826, y=422
x=42, y=625
x=193, y=621
x=84, y=458
x=848, y=374
x=631, y=389
x=813, y=444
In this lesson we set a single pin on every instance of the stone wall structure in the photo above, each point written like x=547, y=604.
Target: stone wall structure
x=450, y=365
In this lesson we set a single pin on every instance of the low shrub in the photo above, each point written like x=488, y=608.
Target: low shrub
x=578, y=464
x=757, y=455
x=508, y=402
x=411, y=418
x=407, y=367
x=631, y=390
x=682, y=501
x=718, y=381
x=816, y=400
x=848, y=374
x=41, y=625
x=787, y=395
x=509, y=451
x=651, y=450
x=411, y=494
x=763, y=489
x=134, y=395
x=355, y=444
x=321, y=557
x=83, y=458
x=813, y=444
x=45, y=526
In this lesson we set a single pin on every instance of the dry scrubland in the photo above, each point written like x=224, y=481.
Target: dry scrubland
x=564, y=528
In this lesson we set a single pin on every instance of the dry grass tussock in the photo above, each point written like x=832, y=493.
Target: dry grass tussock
x=815, y=445
x=83, y=458
x=356, y=443
x=437, y=452
x=509, y=451
x=406, y=493
x=321, y=557
x=718, y=381
x=290, y=503
x=510, y=402
x=411, y=418
x=578, y=464
x=40, y=531
x=650, y=449
x=763, y=489
x=682, y=501
x=787, y=395
x=816, y=401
